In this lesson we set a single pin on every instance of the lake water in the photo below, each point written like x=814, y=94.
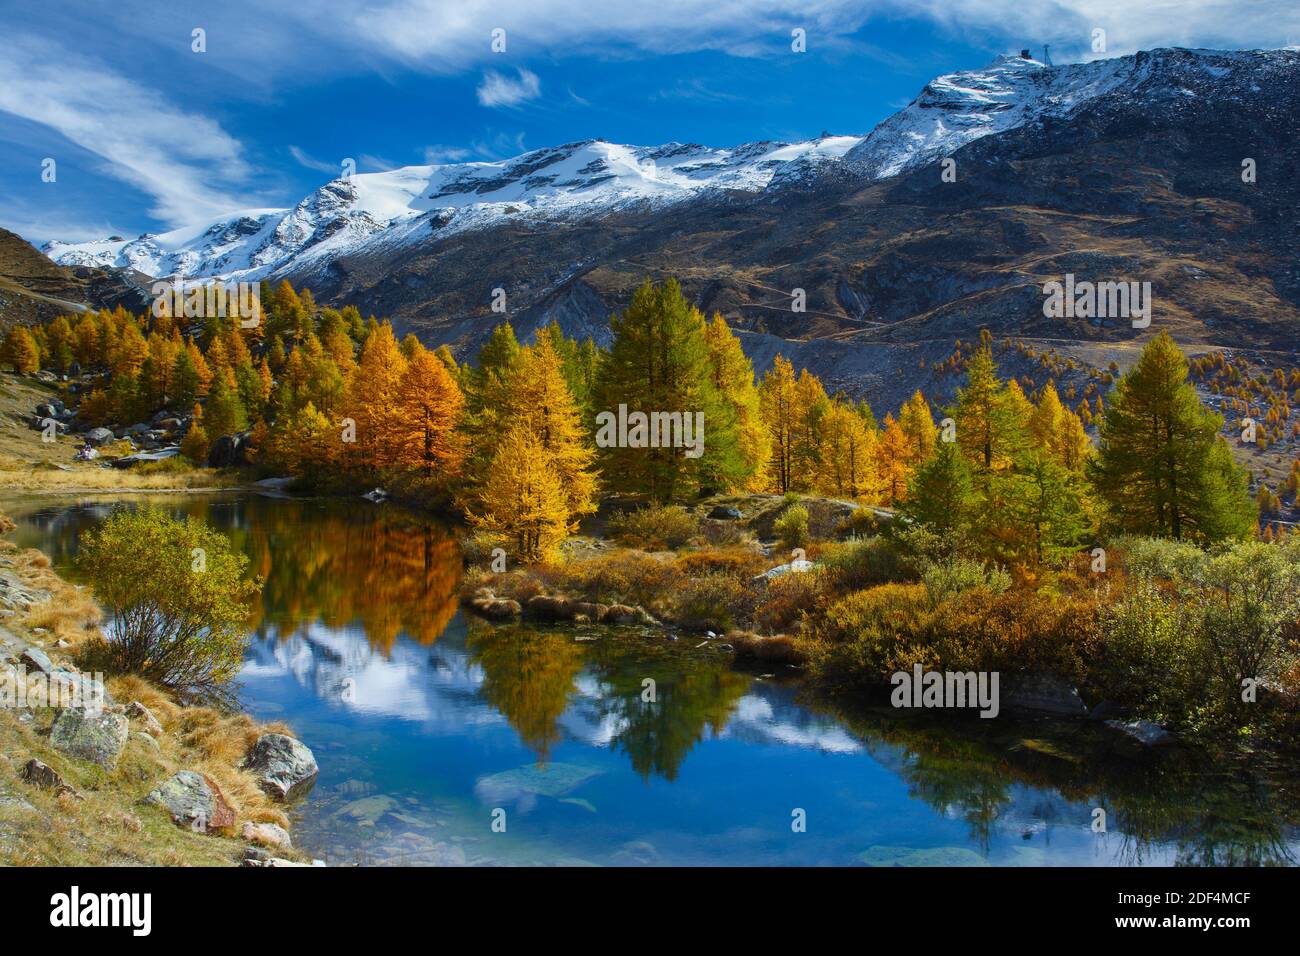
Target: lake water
x=429, y=726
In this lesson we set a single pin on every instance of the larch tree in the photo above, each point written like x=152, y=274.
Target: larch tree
x=427, y=427
x=1161, y=466
x=523, y=501
x=733, y=378
x=778, y=403
x=917, y=423
x=372, y=401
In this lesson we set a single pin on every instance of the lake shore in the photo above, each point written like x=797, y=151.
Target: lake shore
x=125, y=774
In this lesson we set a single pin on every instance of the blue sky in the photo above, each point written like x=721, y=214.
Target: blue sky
x=149, y=135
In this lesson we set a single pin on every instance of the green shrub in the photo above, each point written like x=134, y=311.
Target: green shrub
x=792, y=527
x=177, y=600
x=655, y=527
x=954, y=576
x=861, y=563
x=716, y=601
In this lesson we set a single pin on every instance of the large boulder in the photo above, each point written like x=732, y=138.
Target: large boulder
x=284, y=767
x=194, y=800
x=229, y=451
x=725, y=513
x=97, y=736
x=1045, y=694
x=99, y=436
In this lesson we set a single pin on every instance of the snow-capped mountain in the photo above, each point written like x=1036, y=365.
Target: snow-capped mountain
x=380, y=212
x=415, y=202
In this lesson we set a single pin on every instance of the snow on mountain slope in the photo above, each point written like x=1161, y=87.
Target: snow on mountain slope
x=958, y=108
x=400, y=205
x=590, y=179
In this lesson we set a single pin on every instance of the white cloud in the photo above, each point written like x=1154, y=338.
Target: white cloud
x=401, y=28
x=499, y=90
x=310, y=163
x=437, y=154
x=179, y=158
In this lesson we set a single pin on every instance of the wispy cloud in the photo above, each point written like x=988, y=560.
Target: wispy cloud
x=304, y=160
x=499, y=90
x=438, y=154
x=185, y=161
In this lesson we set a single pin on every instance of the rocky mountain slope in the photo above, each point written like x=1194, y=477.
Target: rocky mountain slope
x=1128, y=169
x=34, y=289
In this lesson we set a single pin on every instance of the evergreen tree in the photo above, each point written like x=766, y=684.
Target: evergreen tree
x=1161, y=467
x=659, y=362
x=224, y=414
x=940, y=495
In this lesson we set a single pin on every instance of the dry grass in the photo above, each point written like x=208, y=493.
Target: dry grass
x=18, y=475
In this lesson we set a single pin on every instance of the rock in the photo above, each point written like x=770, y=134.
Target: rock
x=139, y=428
x=35, y=659
x=15, y=594
x=284, y=767
x=266, y=834
x=170, y=425
x=1106, y=710
x=277, y=861
x=140, y=712
x=549, y=607
x=795, y=567
x=376, y=495
x=139, y=458
x=194, y=800
x=42, y=775
x=229, y=451
x=486, y=603
x=147, y=740
x=725, y=513
x=99, y=436
x=89, y=735
x=1045, y=694
x=1145, y=732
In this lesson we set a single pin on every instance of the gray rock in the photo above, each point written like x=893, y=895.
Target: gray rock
x=35, y=659
x=99, y=436
x=725, y=513
x=193, y=800
x=1045, y=694
x=284, y=767
x=138, y=711
x=1145, y=732
x=87, y=735
x=794, y=567
x=147, y=740
x=229, y=451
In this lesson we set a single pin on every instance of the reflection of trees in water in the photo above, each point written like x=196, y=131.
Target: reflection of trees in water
x=692, y=696
x=1208, y=814
x=379, y=567
x=339, y=562
x=528, y=676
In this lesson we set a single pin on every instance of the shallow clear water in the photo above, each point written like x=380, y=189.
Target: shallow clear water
x=428, y=725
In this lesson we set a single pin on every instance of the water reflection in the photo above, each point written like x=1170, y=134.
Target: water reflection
x=424, y=723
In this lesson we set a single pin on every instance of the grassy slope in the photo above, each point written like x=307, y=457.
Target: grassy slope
x=29, y=464
x=111, y=826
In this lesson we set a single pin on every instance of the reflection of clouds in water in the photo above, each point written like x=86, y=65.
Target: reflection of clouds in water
x=768, y=715
x=340, y=666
